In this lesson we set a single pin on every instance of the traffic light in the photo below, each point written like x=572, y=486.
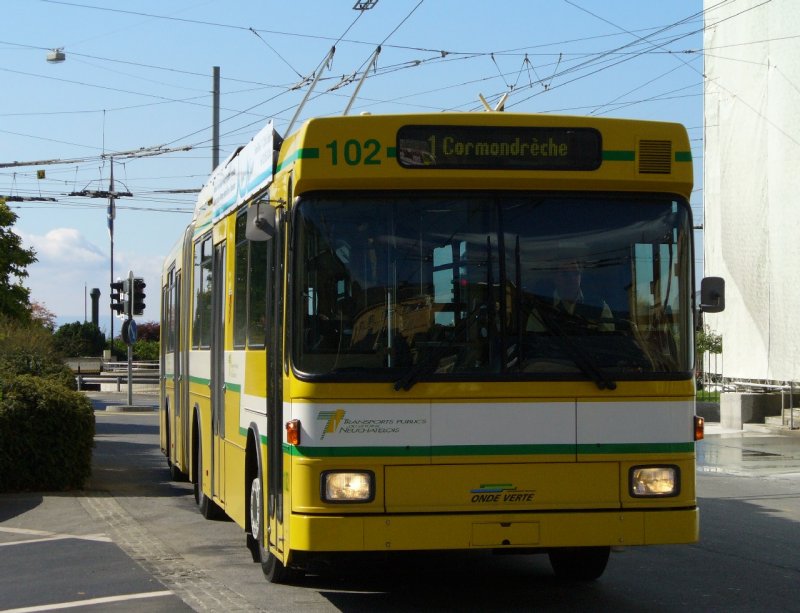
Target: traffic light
x=116, y=297
x=138, y=296
x=126, y=299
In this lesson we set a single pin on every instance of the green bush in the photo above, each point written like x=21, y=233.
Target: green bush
x=28, y=349
x=46, y=435
x=79, y=339
x=142, y=350
x=146, y=350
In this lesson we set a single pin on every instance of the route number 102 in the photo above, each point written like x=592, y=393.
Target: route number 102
x=354, y=152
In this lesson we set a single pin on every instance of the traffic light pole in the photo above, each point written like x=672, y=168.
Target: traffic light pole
x=130, y=344
x=127, y=299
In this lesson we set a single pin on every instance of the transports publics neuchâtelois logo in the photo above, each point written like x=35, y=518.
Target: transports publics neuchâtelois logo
x=337, y=422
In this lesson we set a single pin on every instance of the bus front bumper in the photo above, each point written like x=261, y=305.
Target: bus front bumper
x=492, y=530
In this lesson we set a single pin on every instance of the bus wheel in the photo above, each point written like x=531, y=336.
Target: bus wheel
x=274, y=570
x=208, y=508
x=167, y=443
x=174, y=472
x=579, y=563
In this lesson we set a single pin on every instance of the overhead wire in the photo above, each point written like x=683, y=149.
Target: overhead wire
x=410, y=65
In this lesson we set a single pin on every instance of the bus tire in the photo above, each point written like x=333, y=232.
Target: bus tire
x=208, y=508
x=579, y=563
x=273, y=569
x=167, y=442
x=175, y=473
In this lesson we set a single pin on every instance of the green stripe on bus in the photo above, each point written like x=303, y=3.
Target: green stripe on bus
x=308, y=153
x=391, y=152
x=440, y=450
x=632, y=448
x=487, y=450
x=263, y=437
x=233, y=387
x=619, y=156
x=361, y=452
x=683, y=156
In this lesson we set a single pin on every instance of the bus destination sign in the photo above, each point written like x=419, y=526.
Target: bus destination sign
x=498, y=148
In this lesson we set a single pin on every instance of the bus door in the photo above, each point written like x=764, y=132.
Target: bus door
x=184, y=344
x=178, y=427
x=218, y=371
x=275, y=362
x=164, y=349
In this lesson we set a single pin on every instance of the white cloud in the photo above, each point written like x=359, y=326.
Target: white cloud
x=69, y=265
x=65, y=246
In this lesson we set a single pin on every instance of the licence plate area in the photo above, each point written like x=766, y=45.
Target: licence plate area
x=515, y=534
x=507, y=487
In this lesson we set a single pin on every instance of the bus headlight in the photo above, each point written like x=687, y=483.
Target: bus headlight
x=348, y=486
x=654, y=481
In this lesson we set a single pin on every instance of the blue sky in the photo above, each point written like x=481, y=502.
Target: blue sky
x=137, y=78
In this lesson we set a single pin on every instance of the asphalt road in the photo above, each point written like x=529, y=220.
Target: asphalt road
x=134, y=541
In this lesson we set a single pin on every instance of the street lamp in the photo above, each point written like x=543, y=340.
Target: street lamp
x=56, y=56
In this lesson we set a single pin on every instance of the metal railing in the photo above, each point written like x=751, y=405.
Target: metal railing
x=145, y=376
x=119, y=381
x=714, y=379
x=138, y=366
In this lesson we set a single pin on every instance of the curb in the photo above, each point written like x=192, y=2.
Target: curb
x=130, y=408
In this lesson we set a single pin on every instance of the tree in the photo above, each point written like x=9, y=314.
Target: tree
x=42, y=315
x=149, y=331
x=29, y=348
x=146, y=346
x=14, y=297
x=706, y=340
x=79, y=339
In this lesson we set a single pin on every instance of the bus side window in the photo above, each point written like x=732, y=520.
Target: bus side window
x=259, y=282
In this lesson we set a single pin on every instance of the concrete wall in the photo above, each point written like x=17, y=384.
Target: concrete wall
x=737, y=408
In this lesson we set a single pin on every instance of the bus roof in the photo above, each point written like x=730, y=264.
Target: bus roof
x=488, y=151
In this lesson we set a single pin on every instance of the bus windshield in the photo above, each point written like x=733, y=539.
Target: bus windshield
x=439, y=286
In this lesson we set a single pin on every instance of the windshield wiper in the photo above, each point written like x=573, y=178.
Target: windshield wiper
x=583, y=360
x=407, y=381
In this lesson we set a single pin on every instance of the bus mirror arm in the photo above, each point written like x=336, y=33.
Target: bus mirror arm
x=260, y=221
x=712, y=295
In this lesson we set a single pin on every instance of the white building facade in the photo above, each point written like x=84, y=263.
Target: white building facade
x=751, y=182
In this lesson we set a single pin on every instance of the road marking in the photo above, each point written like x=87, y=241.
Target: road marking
x=26, y=531
x=88, y=602
x=201, y=591
x=51, y=536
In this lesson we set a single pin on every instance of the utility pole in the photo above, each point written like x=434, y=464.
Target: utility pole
x=112, y=213
x=215, y=122
x=131, y=338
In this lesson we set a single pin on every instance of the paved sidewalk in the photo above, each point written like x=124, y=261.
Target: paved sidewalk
x=755, y=451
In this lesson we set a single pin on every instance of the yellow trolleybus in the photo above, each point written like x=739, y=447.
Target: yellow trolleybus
x=440, y=332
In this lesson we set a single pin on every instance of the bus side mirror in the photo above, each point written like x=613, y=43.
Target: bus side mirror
x=260, y=224
x=712, y=294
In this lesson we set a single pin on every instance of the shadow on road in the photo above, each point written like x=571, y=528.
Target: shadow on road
x=15, y=504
